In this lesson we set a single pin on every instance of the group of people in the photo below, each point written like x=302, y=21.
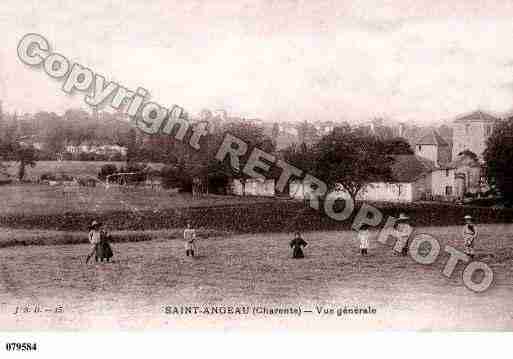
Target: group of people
x=101, y=249
x=100, y=246
x=404, y=229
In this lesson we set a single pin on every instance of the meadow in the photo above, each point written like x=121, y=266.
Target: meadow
x=70, y=168
x=40, y=199
x=244, y=259
x=255, y=269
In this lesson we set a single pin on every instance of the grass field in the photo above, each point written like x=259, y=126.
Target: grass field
x=44, y=199
x=71, y=168
x=255, y=270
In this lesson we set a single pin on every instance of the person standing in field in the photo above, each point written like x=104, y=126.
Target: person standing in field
x=363, y=235
x=94, y=240
x=469, y=236
x=189, y=236
x=297, y=244
x=103, y=248
x=404, y=229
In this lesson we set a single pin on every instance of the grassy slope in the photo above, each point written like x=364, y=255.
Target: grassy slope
x=256, y=269
x=72, y=168
x=44, y=199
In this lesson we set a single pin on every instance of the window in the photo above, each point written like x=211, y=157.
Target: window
x=467, y=129
x=446, y=173
x=420, y=148
x=448, y=190
x=488, y=130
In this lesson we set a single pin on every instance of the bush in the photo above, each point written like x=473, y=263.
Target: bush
x=141, y=172
x=277, y=216
x=67, y=156
x=106, y=170
x=173, y=176
x=48, y=176
x=470, y=195
x=66, y=177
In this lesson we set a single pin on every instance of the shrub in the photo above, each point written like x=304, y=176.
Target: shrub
x=173, y=176
x=278, y=216
x=48, y=176
x=106, y=170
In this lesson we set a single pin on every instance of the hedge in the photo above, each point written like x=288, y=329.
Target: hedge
x=276, y=216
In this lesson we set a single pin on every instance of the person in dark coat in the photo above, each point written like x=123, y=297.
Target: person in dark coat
x=297, y=245
x=103, y=248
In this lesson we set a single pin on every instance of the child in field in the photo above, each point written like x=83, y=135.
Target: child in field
x=469, y=236
x=296, y=244
x=94, y=239
x=103, y=248
x=405, y=229
x=363, y=236
x=189, y=236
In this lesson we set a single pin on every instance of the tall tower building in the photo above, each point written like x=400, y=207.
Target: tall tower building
x=2, y=128
x=433, y=147
x=471, y=131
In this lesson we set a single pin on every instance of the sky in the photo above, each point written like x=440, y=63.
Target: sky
x=420, y=61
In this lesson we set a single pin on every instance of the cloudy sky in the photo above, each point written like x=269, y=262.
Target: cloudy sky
x=421, y=60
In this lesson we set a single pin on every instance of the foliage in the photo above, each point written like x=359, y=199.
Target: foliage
x=469, y=154
x=106, y=170
x=25, y=155
x=302, y=157
x=395, y=146
x=272, y=216
x=498, y=158
x=351, y=159
x=175, y=176
x=48, y=176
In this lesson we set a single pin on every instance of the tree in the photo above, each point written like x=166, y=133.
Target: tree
x=351, y=159
x=469, y=154
x=498, y=157
x=249, y=133
x=302, y=156
x=106, y=170
x=395, y=146
x=26, y=156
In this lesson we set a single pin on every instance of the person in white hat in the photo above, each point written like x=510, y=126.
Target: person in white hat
x=363, y=235
x=94, y=239
x=404, y=228
x=469, y=236
x=189, y=236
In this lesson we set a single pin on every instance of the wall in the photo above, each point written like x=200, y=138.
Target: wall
x=421, y=188
x=427, y=151
x=444, y=154
x=387, y=192
x=471, y=178
x=253, y=187
x=380, y=192
x=472, y=138
x=439, y=181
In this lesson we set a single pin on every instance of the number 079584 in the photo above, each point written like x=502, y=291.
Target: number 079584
x=20, y=347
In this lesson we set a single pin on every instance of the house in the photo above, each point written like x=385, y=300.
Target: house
x=99, y=149
x=411, y=180
x=471, y=131
x=252, y=187
x=467, y=176
x=433, y=147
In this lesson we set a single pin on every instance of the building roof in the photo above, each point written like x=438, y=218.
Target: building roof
x=409, y=168
x=476, y=116
x=462, y=161
x=432, y=138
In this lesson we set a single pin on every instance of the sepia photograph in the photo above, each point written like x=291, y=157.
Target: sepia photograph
x=256, y=165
